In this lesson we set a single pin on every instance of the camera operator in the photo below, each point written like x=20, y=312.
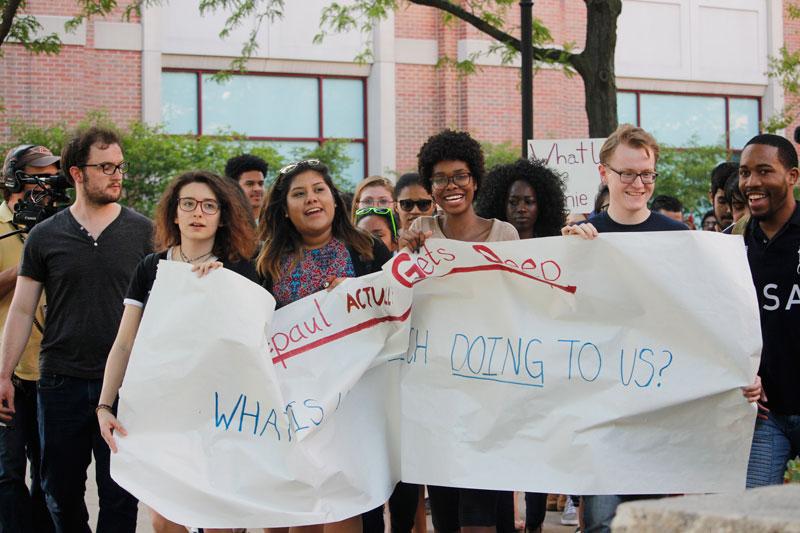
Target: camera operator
x=21, y=510
x=83, y=258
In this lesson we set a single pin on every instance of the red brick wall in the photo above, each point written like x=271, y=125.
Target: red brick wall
x=487, y=103
x=791, y=37
x=44, y=90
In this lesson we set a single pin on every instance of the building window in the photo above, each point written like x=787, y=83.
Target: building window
x=287, y=112
x=683, y=120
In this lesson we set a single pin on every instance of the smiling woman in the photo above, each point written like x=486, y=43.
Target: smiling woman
x=451, y=166
x=309, y=241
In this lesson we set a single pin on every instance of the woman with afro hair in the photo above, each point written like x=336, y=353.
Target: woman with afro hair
x=451, y=167
x=527, y=194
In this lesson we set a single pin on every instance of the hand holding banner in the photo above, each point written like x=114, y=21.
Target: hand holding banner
x=548, y=365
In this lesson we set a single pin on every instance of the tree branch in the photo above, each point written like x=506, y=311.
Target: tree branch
x=539, y=53
x=9, y=13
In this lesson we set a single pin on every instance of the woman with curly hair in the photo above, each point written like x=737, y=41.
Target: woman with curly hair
x=451, y=166
x=527, y=194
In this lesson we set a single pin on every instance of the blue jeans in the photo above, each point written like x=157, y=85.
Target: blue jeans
x=22, y=510
x=69, y=434
x=599, y=511
x=775, y=441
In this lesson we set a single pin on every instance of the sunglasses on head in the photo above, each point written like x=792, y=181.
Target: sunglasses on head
x=313, y=164
x=408, y=205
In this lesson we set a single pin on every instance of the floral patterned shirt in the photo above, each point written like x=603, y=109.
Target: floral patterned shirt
x=310, y=274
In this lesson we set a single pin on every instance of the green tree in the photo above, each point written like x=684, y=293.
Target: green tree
x=157, y=157
x=685, y=173
x=785, y=67
x=594, y=64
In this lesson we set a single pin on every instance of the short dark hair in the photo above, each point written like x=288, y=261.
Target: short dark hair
x=708, y=214
x=546, y=184
x=787, y=155
x=732, y=190
x=667, y=203
x=236, y=166
x=449, y=145
x=76, y=151
x=602, y=194
x=720, y=175
x=407, y=180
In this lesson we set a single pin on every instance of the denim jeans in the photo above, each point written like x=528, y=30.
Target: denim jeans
x=599, y=511
x=775, y=441
x=69, y=435
x=22, y=510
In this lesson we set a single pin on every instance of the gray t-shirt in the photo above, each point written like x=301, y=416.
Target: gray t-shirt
x=84, y=282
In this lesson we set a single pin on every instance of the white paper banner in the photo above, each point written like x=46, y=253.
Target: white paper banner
x=547, y=365
x=577, y=161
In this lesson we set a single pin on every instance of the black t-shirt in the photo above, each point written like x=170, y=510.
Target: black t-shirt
x=145, y=275
x=84, y=281
x=655, y=222
x=775, y=267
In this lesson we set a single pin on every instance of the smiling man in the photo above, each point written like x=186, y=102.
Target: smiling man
x=768, y=174
x=628, y=166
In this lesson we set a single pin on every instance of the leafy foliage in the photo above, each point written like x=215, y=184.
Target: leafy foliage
x=499, y=154
x=786, y=69
x=156, y=157
x=685, y=173
x=792, y=474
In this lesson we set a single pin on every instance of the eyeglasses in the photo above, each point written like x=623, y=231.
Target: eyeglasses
x=381, y=211
x=440, y=181
x=375, y=202
x=314, y=164
x=408, y=205
x=109, y=169
x=628, y=177
x=209, y=207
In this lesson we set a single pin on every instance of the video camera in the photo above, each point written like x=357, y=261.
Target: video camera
x=47, y=198
x=44, y=193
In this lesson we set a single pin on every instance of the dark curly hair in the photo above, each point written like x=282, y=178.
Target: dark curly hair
x=449, y=145
x=547, y=184
x=236, y=166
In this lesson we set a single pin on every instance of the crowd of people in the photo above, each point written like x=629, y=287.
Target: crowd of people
x=74, y=291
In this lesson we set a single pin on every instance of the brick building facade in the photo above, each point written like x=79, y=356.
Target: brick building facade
x=142, y=70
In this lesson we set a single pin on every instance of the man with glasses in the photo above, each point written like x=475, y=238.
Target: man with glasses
x=83, y=257
x=628, y=166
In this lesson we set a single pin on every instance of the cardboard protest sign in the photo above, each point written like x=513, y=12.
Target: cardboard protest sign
x=577, y=161
x=547, y=365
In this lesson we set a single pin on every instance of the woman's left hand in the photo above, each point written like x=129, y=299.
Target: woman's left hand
x=332, y=283
x=204, y=268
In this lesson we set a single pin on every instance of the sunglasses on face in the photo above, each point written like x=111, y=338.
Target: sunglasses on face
x=382, y=211
x=408, y=205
